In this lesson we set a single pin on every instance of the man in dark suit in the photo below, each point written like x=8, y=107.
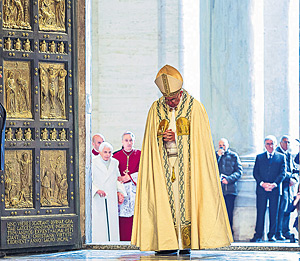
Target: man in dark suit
x=288, y=191
x=269, y=172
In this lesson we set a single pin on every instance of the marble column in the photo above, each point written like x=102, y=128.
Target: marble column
x=232, y=90
x=232, y=71
x=281, y=69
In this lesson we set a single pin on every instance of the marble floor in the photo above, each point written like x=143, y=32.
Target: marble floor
x=131, y=255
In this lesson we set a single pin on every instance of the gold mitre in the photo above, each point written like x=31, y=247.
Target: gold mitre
x=169, y=80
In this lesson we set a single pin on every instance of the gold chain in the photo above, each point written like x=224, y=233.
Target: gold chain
x=127, y=163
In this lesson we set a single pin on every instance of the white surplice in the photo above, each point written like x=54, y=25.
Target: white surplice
x=105, y=175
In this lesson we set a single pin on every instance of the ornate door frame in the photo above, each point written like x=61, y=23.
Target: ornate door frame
x=40, y=183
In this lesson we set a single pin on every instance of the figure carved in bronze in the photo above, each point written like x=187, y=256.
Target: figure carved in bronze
x=62, y=135
x=10, y=93
x=23, y=102
x=44, y=134
x=19, y=134
x=9, y=134
x=54, y=185
x=46, y=190
x=61, y=47
x=9, y=185
x=25, y=166
x=18, y=45
x=43, y=81
x=16, y=14
x=28, y=134
x=53, y=134
x=52, y=15
x=43, y=47
x=52, y=47
x=7, y=45
x=17, y=80
x=61, y=89
x=63, y=193
x=18, y=179
x=53, y=84
x=26, y=45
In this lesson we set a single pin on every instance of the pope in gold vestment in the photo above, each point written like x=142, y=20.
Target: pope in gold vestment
x=179, y=203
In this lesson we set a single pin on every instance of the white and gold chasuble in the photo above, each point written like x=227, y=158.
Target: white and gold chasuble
x=180, y=207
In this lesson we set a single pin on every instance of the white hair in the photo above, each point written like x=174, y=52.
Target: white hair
x=272, y=138
x=105, y=144
x=130, y=133
x=225, y=141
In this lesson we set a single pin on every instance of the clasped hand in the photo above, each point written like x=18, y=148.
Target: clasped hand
x=268, y=186
x=169, y=135
x=124, y=179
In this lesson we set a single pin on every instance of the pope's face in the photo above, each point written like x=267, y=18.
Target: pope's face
x=97, y=142
x=174, y=100
x=105, y=154
x=127, y=142
x=270, y=146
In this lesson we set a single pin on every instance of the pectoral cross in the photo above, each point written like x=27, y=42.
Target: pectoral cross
x=126, y=171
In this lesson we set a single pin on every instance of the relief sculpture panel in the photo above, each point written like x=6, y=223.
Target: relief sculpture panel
x=52, y=15
x=18, y=179
x=53, y=86
x=16, y=14
x=54, y=183
x=17, y=83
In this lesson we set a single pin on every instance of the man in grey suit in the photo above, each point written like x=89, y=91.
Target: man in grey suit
x=269, y=172
x=288, y=191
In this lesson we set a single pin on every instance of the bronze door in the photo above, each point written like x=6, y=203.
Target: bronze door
x=39, y=185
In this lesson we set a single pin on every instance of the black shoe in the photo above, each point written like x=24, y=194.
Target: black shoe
x=255, y=239
x=279, y=237
x=166, y=253
x=287, y=235
x=185, y=252
x=292, y=238
x=272, y=239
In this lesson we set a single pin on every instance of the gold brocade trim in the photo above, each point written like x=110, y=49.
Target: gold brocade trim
x=186, y=236
x=166, y=84
x=163, y=126
x=183, y=126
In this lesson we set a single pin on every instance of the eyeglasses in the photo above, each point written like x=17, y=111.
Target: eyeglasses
x=286, y=141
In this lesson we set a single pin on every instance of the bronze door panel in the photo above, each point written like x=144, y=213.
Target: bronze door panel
x=39, y=183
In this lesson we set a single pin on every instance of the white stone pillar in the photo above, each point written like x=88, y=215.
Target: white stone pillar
x=232, y=71
x=281, y=68
x=190, y=46
x=232, y=90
